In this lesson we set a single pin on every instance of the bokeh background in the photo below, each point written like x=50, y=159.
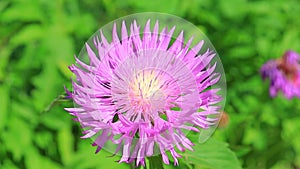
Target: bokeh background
x=38, y=39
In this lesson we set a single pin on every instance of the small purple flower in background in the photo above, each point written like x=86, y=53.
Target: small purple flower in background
x=142, y=93
x=284, y=75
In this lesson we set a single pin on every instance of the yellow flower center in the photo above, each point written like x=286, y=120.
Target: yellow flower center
x=146, y=92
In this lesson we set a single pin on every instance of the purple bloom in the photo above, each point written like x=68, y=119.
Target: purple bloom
x=142, y=93
x=284, y=75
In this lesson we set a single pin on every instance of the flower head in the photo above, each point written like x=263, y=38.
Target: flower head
x=143, y=90
x=284, y=74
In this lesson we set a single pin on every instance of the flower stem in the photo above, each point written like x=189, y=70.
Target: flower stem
x=133, y=166
x=155, y=162
x=58, y=99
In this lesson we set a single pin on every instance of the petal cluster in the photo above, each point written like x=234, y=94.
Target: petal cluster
x=144, y=90
x=284, y=75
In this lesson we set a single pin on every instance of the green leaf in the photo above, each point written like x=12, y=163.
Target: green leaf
x=267, y=115
x=155, y=162
x=17, y=137
x=56, y=119
x=23, y=11
x=4, y=57
x=212, y=154
x=3, y=5
x=85, y=157
x=47, y=86
x=4, y=100
x=255, y=137
x=175, y=7
x=34, y=160
x=28, y=34
x=291, y=129
x=65, y=144
x=43, y=139
x=25, y=112
x=240, y=8
x=9, y=164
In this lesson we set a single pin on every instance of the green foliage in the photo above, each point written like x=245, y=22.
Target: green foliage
x=213, y=154
x=38, y=39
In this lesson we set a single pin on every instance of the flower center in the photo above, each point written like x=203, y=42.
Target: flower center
x=146, y=93
x=148, y=84
x=289, y=70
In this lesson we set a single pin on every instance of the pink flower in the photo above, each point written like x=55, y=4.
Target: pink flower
x=284, y=74
x=142, y=92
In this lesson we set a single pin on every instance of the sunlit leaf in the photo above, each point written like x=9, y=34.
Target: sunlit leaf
x=46, y=83
x=9, y=164
x=212, y=154
x=23, y=11
x=86, y=158
x=256, y=138
x=4, y=100
x=65, y=144
x=18, y=137
x=34, y=160
x=28, y=34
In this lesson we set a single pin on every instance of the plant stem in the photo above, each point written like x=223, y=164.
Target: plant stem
x=155, y=162
x=58, y=99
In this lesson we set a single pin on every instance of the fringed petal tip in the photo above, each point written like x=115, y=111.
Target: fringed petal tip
x=127, y=160
x=72, y=68
x=68, y=93
x=141, y=161
x=72, y=113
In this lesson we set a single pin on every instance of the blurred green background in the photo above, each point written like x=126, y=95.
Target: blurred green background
x=38, y=39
